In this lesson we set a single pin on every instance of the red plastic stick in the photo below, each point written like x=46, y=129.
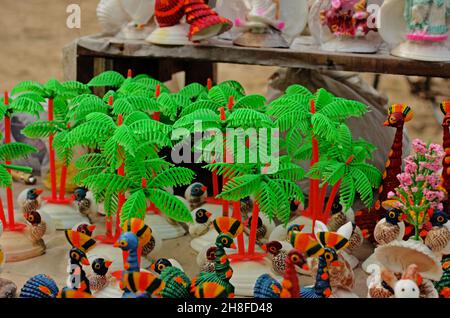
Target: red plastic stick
x=130, y=73
x=230, y=103
x=121, y=198
x=62, y=183
x=209, y=84
x=225, y=203
x=157, y=115
x=52, y=152
x=2, y=213
x=253, y=228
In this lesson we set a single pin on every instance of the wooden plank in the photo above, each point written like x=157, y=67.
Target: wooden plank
x=302, y=56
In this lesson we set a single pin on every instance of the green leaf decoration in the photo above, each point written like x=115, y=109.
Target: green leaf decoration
x=108, y=182
x=110, y=202
x=201, y=104
x=28, y=86
x=249, y=118
x=129, y=104
x=282, y=206
x=85, y=105
x=53, y=88
x=135, y=117
x=371, y=172
x=147, y=127
x=170, y=205
x=256, y=102
x=347, y=192
x=344, y=144
x=298, y=89
x=293, y=120
x=5, y=178
x=108, y=78
x=124, y=137
x=78, y=87
x=173, y=177
x=192, y=91
x=341, y=109
x=363, y=186
x=324, y=127
x=221, y=94
x=201, y=115
x=26, y=105
x=229, y=170
x=151, y=83
x=89, y=134
x=134, y=207
x=43, y=129
x=288, y=104
x=291, y=189
x=240, y=187
x=289, y=171
x=90, y=160
x=168, y=105
x=101, y=118
x=267, y=199
x=62, y=149
x=15, y=150
x=235, y=85
x=322, y=98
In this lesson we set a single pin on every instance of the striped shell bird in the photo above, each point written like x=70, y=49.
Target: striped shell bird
x=228, y=229
x=37, y=227
x=202, y=222
x=261, y=229
x=438, y=238
x=278, y=254
x=162, y=263
x=85, y=205
x=39, y=286
x=99, y=279
x=32, y=200
x=139, y=284
x=176, y=283
x=390, y=228
x=196, y=195
x=152, y=246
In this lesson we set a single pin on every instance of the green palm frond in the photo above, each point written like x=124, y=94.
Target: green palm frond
x=268, y=201
x=322, y=98
x=43, y=129
x=256, y=102
x=201, y=115
x=229, y=170
x=125, y=138
x=91, y=160
x=107, y=182
x=62, y=150
x=235, y=85
x=168, y=105
x=151, y=84
x=249, y=118
x=363, y=186
x=192, y=91
x=282, y=210
x=344, y=142
x=292, y=190
x=347, y=192
x=201, y=104
x=298, y=89
x=371, y=172
x=173, y=177
x=129, y=104
x=85, y=105
x=15, y=150
x=222, y=93
x=135, y=117
x=288, y=104
x=87, y=172
x=146, y=127
x=26, y=105
x=324, y=127
x=108, y=78
x=134, y=207
x=294, y=119
x=77, y=87
x=170, y=205
x=90, y=134
x=289, y=171
x=53, y=88
x=5, y=178
x=110, y=202
x=28, y=86
x=341, y=109
x=240, y=187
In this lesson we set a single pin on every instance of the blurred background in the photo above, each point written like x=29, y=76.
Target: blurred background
x=34, y=32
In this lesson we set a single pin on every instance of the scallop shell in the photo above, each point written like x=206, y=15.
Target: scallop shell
x=31, y=287
x=398, y=255
x=113, y=15
x=385, y=232
x=437, y=239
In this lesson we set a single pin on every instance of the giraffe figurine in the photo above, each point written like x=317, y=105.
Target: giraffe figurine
x=398, y=115
x=445, y=108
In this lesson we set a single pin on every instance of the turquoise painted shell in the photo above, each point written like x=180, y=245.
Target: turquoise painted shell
x=39, y=286
x=177, y=283
x=266, y=287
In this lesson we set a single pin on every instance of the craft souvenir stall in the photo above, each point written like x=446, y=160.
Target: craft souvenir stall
x=142, y=224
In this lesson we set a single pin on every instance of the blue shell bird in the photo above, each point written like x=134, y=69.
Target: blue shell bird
x=39, y=286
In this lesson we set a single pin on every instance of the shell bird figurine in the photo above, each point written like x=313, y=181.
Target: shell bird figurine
x=268, y=287
x=278, y=254
x=326, y=247
x=139, y=284
x=37, y=228
x=129, y=19
x=261, y=229
x=380, y=283
x=81, y=244
x=196, y=195
x=176, y=282
x=390, y=228
x=202, y=222
x=86, y=206
x=151, y=247
x=87, y=229
x=228, y=229
x=438, y=238
x=40, y=286
x=31, y=201
x=100, y=278
x=162, y=263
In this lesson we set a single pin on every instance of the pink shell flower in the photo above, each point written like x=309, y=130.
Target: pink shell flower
x=419, y=146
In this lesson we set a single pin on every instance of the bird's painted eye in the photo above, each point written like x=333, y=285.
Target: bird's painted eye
x=224, y=240
x=74, y=256
x=123, y=243
x=447, y=121
x=328, y=256
x=30, y=218
x=161, y=267
x=272, y=249
x=83, y=231
x=295, y=258
x=440, y=219
x=392, y=214
x=392, y=120
x=200, y=213
x=97, y=266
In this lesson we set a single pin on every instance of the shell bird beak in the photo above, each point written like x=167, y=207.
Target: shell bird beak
x=233, y=246
x=91, y=228
x=116, y=244
x=336, y=263
x=264, y=247
x=305, y=267
x=152, y=267
x=208, y=214
x=39, y=191
x=204, y=188
x=386, y=123
x=108, y=264
x=85, y=261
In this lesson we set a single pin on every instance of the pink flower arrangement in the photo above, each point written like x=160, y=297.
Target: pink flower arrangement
x=420, y=182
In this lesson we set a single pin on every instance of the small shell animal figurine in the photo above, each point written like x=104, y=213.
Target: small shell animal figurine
x=261, y=229
x=196, y=195
x=390, y=228
x=39, y=286
x=100, y=278
x=202, y=222
x=407, y=286
x=208, y=264
x=279, y=255
x=30, y=200
x=438, y=238
x=37, y=227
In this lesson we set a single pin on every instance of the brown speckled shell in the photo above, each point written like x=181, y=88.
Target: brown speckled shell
x=380, y=292
x=30, y=206
x=97, y=282
x=385, y=233
x=37, y=232
x=427, y=290
x=279, y=262
x=149, y=247
x=340, y=276
x=437, y=238
x=356, y=240
x=336, y=221
x=208, y=267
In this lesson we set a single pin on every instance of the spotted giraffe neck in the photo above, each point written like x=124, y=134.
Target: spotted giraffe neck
x=222, y=264
x=290, y=285
x=322, y=286
x=393, y=168
x=446, y=166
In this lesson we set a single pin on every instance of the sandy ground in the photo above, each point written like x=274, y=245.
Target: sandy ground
x=33, y=35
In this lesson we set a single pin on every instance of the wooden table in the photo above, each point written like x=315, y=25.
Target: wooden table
x=90, y=55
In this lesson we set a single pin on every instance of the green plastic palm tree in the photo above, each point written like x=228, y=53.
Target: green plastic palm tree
x=57, y=94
